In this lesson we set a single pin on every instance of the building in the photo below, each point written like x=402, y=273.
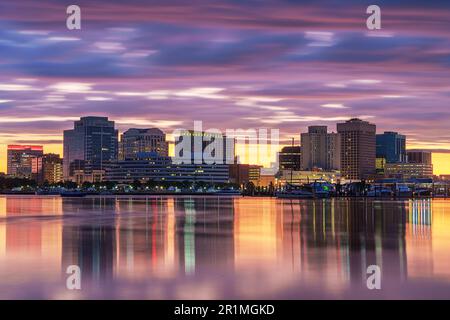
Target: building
x=408, y=170
x=391, y=146
x=244, y=173
x=89, y=147
x=52, y=168
x=289, y=158
x=419, y=156
x=151, y=166
x=320, y=149
x=134, y=141
x=358, y=149
x=380, y=164
x=301, y=177
x=24, y=161
x=204, y=147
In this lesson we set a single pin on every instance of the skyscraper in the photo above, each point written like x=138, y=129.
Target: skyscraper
x=419, y=156
x=52, y=168
x=90, y=146
x=391, y=146
x=23, y=161
x=358, y=148
x=289, y=158
x=320, y=149
x=134, y=141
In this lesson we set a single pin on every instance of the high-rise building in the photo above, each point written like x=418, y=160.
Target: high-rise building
x=391, y=146
x=52, y=168
x=89, y=147
x=358, y=149
x=289, y=158
x=244, y=173
x=134, y=141
x=320, y=149
x=204, y=147
x=24, y=161
x=419, y=156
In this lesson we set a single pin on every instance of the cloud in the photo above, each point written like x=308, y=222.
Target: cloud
x=232, y=64
x=334, y=106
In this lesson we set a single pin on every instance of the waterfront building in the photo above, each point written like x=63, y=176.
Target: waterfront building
x=52, y=167
x=289, y=158
x=244, y=173
x=204, y=147
x=301, y=177
x=358, y=149
x=134, y=141
x=408, y=170
x=24, y=161
x=89, y=147
x=151, y=166
x=391, y=146
x=320, y=149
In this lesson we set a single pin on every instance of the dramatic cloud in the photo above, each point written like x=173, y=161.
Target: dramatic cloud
x=233, y=64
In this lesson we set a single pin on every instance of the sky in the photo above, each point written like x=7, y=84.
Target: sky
x=232, y=64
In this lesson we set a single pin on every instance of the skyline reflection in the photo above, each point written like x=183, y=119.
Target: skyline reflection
x=217, y=247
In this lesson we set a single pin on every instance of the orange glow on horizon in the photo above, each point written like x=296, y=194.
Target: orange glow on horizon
x=441, y=161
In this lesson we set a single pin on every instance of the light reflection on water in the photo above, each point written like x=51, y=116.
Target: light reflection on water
x=216, y=247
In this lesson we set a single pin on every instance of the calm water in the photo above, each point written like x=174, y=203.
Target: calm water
x=210, y=248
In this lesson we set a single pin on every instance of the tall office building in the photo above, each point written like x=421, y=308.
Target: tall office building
x=392, y=147
x=89, y=147
x=358, y=149
x=419, y=156
x=24, y=161
x=134, y=141
x=289, y=158
x=52, y=168
x=320, y=149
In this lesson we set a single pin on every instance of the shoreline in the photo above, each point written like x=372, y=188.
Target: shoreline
x=184, y=194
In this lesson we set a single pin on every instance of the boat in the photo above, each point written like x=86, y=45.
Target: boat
x=379, y=191
x=422, y=192
x=73, y=194
x=48, y=192
x=321, y=189
x=402, y=190
x=227, y=192
x=295, y=192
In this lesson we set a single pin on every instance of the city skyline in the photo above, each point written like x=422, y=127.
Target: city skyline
x=93, y=144
x=246, y=148
x=279, y=65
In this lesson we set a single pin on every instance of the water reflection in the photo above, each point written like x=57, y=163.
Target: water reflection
x=207, y=247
